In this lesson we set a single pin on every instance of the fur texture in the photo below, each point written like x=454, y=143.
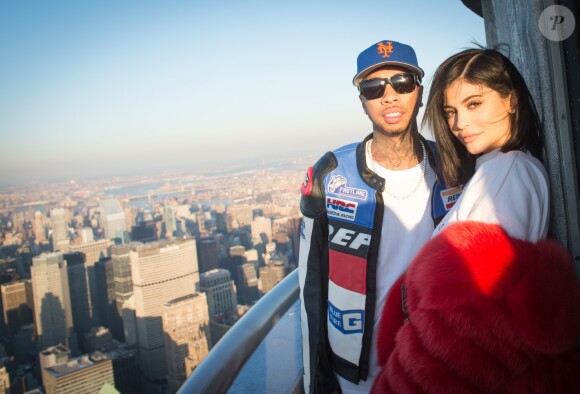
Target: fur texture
x=487, y=313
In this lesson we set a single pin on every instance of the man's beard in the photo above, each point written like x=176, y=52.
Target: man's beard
x=392, y=133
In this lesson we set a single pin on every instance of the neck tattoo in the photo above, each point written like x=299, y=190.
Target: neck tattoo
x=421, y=176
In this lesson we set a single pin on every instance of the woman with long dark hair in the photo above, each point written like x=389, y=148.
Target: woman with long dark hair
x=489, y=304
x=490, y=140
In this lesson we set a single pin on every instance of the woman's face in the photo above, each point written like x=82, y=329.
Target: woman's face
x=477, y=115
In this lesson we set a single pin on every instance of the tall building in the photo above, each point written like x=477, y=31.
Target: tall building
x=169, y=222
x=23, y=261
x=123, y=283
x=145, y=231
x=161, y=271
x=17, y=304
x=125, y=367
x=129, y=317
x=187, y=337
x=221, y=293
x=248, y=291
x=270, y=275
x=39, y=228
x=208, y=254
x=239, y=215
x=80, y=297
x=261, y=225
x=221, y=221
x=59, y=226
x=200, y=220
x=84, y=374
x=52, y=306
x=109, y=315
x=24, y=344
x=93, y=252
x=113, y=219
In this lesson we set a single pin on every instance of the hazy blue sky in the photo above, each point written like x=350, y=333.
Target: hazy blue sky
x=117, y=86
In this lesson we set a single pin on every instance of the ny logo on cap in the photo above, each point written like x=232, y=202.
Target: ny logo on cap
x=385, y=50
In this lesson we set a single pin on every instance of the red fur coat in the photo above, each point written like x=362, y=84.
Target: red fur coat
x=486, y=314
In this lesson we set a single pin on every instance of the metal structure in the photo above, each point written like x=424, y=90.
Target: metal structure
x=219, y=369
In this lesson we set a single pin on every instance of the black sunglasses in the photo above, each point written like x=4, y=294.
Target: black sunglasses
x=374, y=88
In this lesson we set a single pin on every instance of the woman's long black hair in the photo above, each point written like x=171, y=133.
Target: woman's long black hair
x=490, y=68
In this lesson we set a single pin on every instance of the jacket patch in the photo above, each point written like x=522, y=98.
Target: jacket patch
x=338, y=185
x=341, y=209
x=347, y=322
x=450, y=196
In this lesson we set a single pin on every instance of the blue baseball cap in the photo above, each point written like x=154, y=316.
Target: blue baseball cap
x=386, y=53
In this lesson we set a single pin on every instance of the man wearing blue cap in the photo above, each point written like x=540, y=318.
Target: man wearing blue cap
x=368, y=208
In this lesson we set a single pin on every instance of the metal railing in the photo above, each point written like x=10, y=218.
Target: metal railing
x=222, y=365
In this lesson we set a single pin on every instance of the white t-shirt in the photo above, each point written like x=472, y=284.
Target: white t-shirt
x=407, y=226
x=510, y=189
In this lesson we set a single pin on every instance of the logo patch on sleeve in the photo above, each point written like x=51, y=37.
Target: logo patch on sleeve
x=450, y=196
x=306, y=187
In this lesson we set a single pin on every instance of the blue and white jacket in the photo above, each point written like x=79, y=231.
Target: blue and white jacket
x=342, y=209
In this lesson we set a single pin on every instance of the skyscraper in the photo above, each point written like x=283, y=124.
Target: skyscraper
x=125, y=367
x=261, y=225
x=221, y=293
x=39, y=228
x=248, y=290
x=59, y=226
x=239, y=215
x=80, y=298
x=107, y=305
x=93, y=252
x=24, y=344
x=200, y=220
x=113, y=219
x=52, y=306
x=122, y=279
x=169, y=222
x=187, y=336
x=161, y=271
x=208, y=254
x=17, y=304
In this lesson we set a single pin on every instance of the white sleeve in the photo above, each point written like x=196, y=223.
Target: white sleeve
x=518, y=200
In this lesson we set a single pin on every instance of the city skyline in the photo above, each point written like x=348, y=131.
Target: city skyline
x=111, y=279
x=109, y=88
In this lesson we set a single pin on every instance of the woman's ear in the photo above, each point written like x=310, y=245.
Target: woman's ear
x=513, y=102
